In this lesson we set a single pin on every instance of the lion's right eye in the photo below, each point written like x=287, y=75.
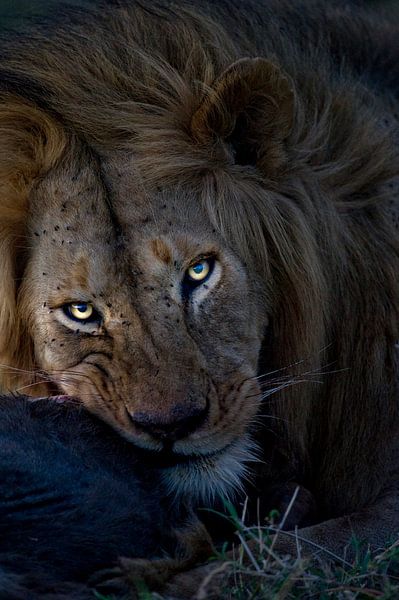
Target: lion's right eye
x=82, y=312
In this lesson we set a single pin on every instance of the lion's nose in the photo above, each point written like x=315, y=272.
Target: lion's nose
x=169, y=427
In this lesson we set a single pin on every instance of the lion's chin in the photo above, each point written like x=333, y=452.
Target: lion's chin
x=203, y=479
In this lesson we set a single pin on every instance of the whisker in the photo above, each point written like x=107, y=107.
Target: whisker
x=24, y=387
x=18, y=370
x=320, y=371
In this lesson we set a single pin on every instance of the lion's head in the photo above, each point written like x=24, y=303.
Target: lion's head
x=174, y=228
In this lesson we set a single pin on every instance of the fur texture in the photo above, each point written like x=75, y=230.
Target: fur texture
x=74, y=499
x=140, y=138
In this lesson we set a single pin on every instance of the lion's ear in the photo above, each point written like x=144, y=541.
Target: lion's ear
x=31, y=142
x=250, y=109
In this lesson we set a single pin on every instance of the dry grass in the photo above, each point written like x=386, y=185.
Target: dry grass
x=266, y=574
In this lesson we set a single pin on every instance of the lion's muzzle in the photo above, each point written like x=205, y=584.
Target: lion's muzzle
x=179, y=423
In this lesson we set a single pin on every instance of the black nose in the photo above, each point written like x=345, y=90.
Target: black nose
x=170, y=428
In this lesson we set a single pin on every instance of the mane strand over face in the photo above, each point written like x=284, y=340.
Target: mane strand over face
x=31, y=144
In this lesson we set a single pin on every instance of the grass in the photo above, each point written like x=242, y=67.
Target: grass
x=287, y=578
x=266, y=574
x=282, y=577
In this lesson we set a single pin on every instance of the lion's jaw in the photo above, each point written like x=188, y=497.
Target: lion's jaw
x=156, y=355
x=218, y=475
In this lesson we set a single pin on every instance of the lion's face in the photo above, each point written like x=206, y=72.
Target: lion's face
x=138, y=307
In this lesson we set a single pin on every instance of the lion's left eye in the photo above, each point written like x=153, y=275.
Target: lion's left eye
x=82, y=311
x=198, y=272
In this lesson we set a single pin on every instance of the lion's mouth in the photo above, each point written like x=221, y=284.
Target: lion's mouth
x=169, y=458
x=200, y=475
x=195, y=474
x=205, y=477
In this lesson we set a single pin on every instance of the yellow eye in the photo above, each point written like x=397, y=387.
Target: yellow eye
x=199, y=271
x=81, y=311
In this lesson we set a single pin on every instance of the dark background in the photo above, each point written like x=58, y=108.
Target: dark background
x=15, y=12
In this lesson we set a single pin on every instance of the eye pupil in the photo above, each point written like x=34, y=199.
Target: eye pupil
x=80, y=307
x=198, y=268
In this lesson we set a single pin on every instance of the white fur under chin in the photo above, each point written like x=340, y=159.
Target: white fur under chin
x=219, y=475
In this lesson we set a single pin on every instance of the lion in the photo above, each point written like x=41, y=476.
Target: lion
x=198, y=218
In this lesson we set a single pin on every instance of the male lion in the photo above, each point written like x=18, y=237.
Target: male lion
x=199, y=240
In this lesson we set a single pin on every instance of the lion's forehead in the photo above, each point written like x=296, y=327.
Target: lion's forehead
x=159, y=208
x=118, y=227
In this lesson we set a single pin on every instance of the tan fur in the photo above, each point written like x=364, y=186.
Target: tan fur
x=189, y=131
x=31, y=145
